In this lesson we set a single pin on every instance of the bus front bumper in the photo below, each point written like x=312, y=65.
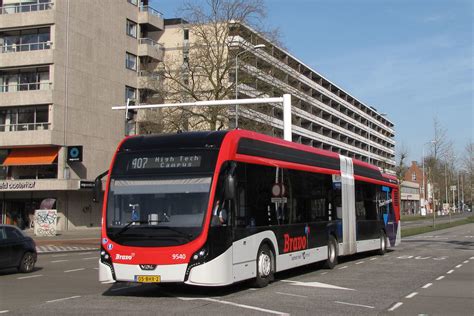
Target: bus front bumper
x=133, y=273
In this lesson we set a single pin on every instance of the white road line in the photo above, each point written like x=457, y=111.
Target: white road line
x=252, y=289
x=30, y=276
x=90, y=258
x=96, y=268
x=360, y=262
x=373, y=259
x=56, y=261
x=63, y=255
x=465, y=261
x=411, y=295
x=394, y=307
x=289, y=294
x=366, y=306
x=344, y=267
x=427, y=285
x=323, y=273
x=233, y=304
x=63, y=299
x=440, y=278
x=74, y=270
x=3, y=312
x=450, y=271
x=472, y=258
x=458, y=266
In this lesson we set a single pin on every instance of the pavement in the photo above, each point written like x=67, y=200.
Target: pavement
x=84, y=239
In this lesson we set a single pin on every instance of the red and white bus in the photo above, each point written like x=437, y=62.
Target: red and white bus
x=214, y=208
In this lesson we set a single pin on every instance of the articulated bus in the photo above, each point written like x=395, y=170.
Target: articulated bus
x=214, y=208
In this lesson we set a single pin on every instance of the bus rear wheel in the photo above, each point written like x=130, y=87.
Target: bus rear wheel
x=331, y=261
x=383, y=243
x=265, y=266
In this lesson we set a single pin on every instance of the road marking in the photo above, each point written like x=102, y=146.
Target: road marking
x=472, y=258
x=289, y=294
x=74, y=270
x=252, y=289
x=366, y=306
x=394, y=307
x=360, y=262
x=317, y=284
x=30, y=276
x=373, y=259
x=63, y=255
x=63, y=299
x=427, y=285
x=96, y=268
x=233, y=304
x=450, y=271
x=411, y=295
x=458, y=266
x=323, y=273
x=440, y=278
x=90, y=258
x=344, y=267
x=3, y=312
x=465, y=261
x=56, y=261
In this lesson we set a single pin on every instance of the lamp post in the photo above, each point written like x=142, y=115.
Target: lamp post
x=255, y=47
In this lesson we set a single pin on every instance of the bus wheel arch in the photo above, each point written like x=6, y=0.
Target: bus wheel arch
x=331, y=261
x=265, y=264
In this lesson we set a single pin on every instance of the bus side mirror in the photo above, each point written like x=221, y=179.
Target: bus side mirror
x=229, y=187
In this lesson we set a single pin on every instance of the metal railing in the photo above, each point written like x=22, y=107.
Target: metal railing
x=26, y=86
x=150, y=10
x=21, y=8
x=13, y=48
x=149, y=41
x=150, y=74
x=24, y=127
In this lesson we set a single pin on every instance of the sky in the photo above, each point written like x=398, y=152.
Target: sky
x=410, y=59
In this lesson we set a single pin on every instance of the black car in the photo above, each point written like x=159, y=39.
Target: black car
x=16, y=249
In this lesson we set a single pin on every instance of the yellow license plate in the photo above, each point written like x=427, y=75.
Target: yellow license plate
x=148, y=278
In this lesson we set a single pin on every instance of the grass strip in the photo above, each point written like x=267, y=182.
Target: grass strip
x=426, y=229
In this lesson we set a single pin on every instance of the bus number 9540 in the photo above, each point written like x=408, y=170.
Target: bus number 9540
x=178, y=256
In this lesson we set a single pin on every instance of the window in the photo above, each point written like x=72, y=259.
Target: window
x=186, y=35
x=131, y=29
x=25, y=40
x=413, y=176
x=24, y=119
x=365, y=201
x=130, y=93
x=131, y=61
x=24, y=79
x=134, y=2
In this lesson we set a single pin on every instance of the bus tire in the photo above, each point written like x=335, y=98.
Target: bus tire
x=383, y=243
x=331, y=261
x=265, y=264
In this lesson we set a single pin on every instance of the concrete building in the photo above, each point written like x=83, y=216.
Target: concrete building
x=324, y=115
x=63, y=64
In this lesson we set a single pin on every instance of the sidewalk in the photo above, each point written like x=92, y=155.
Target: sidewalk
x=84, y=239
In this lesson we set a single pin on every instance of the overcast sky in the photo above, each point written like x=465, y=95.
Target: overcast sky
x=410, y=59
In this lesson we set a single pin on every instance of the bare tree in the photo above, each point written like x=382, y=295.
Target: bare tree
x=401, y=167
x=467, y=174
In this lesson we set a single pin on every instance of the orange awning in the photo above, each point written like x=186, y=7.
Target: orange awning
x=31, y=156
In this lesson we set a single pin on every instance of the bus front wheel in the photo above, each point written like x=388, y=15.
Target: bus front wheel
x=265, y=266
x=331, y=261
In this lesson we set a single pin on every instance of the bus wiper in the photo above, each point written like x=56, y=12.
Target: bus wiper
x=126, y=227
x=188, y=236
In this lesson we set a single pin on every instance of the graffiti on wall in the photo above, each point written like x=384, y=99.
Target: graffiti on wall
x=45, y=222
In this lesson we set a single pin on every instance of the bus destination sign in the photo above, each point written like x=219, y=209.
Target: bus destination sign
x=165, y=162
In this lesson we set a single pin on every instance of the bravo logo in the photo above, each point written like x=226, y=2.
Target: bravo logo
x=294, y=243
x=123, y=257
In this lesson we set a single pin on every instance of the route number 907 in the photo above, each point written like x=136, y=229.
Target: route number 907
x=178, y=256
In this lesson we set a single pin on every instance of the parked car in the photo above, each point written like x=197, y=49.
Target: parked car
x=16, y=249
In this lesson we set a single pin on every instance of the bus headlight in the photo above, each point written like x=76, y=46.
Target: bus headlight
x=107, y=260
x=199, y=257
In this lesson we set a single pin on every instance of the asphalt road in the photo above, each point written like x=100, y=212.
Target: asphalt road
x=431, y=274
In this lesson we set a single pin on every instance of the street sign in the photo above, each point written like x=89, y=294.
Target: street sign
x=74, y=153
x=86, y=184
x=453, y=188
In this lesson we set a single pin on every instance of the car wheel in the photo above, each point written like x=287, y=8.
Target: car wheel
x=265, y=266
x=27, y=263
x=383, y=243
x=331, y=261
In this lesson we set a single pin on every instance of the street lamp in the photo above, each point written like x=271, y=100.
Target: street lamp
x=255, y=47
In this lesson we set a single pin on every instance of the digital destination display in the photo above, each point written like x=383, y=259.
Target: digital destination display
x=165, y=162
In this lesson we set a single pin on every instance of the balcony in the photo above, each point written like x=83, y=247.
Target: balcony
x=26, y=94
x=26, y=14
x=26, y=54
x=150, y=48
x=152, y=17
x=149, y=80
x=27, y=135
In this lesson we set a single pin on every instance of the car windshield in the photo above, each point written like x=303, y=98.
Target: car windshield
x=171, y=209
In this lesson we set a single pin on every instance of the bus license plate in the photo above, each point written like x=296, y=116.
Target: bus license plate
x=148, y=278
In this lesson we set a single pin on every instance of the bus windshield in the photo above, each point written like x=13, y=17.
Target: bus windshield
x=161, y=211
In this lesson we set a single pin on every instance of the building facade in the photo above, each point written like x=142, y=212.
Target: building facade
x=414, y=174
x=324, y=115
x=410, y=197
x=63, y=65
